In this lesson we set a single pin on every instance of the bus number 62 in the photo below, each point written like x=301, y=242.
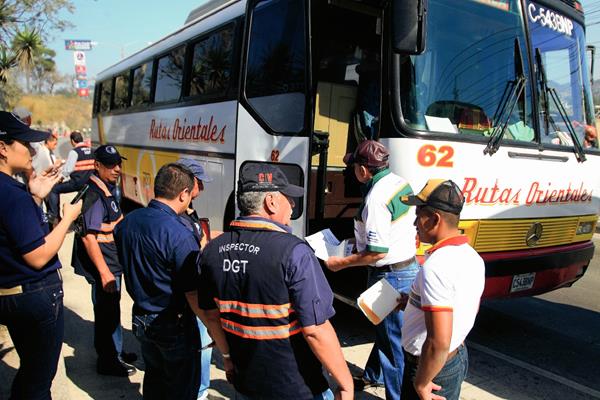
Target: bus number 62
x=429, y=156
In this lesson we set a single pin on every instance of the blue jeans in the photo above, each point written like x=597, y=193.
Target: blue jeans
x=373, y=372
x=108, y=332
x=205, y=357
x=388, y=333
x=170, y=345
x=449, y=378
x=35, y=322
x=326, y=395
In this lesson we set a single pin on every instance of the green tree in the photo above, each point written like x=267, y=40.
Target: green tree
x=24, y=27
x=27, y=48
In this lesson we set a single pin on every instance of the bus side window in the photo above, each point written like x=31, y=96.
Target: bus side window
x=276, y=65
x=211, y=64
x=121, y=98
x=142, y=80
x=106, y=88
x=169, y=76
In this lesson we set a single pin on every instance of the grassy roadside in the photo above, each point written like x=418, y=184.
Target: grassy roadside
x=59, y=112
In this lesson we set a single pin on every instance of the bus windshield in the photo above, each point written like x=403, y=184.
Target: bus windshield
x=561, y=49
x=474, y=75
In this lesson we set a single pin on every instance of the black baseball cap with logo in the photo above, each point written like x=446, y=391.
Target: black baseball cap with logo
x=108, y=155
x=11, y=127
x=256, y=177
x=440, y=194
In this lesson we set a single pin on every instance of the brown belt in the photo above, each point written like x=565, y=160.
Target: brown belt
x=397, y=266
x=415, y=359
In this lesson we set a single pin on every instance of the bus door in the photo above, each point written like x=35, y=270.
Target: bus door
x=274, y=109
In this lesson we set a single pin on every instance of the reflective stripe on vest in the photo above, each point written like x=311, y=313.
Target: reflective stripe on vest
x=254, y=310
x=105, y=238
x=109, y=227
x=261, y=332
x=84, y=165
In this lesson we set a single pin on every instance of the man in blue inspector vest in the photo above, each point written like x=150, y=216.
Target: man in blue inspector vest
x=78, y=167
x=159, y=257
x=385, y=240
x=96, y=259
x=265, y=288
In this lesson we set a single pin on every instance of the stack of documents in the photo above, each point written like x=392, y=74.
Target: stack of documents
x=325, y=245
x=378, y=301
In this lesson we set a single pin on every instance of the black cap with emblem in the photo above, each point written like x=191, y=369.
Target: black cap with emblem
x=261, y=177
x=108, y=155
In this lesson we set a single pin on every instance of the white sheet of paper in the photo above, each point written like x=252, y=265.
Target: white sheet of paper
x=378, y=301
x=438, y=124
x=325, y=244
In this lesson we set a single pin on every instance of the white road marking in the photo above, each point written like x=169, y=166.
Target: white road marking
x=542, y=372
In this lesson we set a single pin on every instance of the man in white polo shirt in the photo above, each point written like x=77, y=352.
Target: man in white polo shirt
x=443, y=300
x=385, y=241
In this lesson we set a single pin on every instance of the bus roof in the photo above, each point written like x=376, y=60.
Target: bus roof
x=201, y=19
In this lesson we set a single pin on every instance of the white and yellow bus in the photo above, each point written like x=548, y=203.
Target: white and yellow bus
x=493, y=94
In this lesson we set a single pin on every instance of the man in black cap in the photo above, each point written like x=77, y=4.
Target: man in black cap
x=385, y=241
x=96, y=259
x=444, y=298
x=265, y=288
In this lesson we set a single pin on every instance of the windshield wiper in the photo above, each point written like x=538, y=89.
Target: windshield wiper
x=550, y=92
x=511, y=95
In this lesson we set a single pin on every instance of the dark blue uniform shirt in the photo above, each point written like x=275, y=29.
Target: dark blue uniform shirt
x=93, y=218
x=159, y=258
x=22, y=230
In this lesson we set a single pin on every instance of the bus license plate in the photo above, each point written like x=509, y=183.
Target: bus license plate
x=522, y=282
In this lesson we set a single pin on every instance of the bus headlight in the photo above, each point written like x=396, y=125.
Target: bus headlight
x=585, y=228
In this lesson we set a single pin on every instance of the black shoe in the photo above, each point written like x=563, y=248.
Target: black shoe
x=115, y=368
x=128, y=357
x=360, y=383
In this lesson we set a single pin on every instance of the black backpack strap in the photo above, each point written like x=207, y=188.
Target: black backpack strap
x=89, y=199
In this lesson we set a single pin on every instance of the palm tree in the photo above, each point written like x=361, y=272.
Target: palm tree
x=7, y=62
x=27, y=45
x=7, y=22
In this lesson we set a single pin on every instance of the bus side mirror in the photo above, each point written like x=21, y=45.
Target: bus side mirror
x=592, y=50
x=409, y=23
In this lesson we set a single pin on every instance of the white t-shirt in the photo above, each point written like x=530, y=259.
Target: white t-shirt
x=385, y=224
x=452, y=279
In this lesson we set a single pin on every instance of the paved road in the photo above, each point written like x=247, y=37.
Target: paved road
x=545, y=347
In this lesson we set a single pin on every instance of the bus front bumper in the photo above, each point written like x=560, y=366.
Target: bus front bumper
x=531, y=272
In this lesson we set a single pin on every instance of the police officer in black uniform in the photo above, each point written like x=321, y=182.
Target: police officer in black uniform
x=266, y=289
x=31, y=295
x=96, y=259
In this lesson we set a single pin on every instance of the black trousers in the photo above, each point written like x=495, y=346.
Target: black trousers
x=108, y=332
x=35, y=322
